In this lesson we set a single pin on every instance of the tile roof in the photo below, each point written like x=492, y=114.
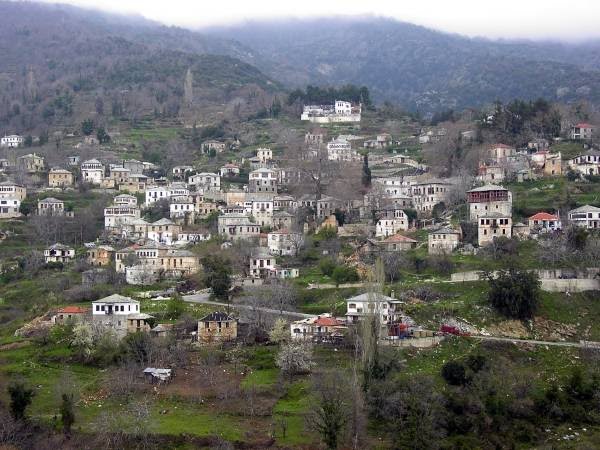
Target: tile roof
x=543, y=216
x=217, y=316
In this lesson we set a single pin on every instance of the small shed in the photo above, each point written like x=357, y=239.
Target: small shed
x=156, y=375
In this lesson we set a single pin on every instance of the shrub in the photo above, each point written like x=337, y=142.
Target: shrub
x=344, y=274
x=20, y=399
x=327, y=266
x=454, y=373
x=515, y=293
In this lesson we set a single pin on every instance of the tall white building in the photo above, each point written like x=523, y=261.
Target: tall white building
x=11, y=141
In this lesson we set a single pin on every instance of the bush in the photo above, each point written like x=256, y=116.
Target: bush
x=20, y=399
x=327, y=266
x=515, y=293
x=344, y=274
x=454, y=373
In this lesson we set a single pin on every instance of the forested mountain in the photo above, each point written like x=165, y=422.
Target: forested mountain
x=58, y=63
x=421, y=68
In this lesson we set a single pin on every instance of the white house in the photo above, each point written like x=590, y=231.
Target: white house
x=206, y=180
x=229, y=170
x=180, y=171
x=386, y=308
x=587, y=163
x=324, y=326
x=262, y=263
x=544, y=222
x=582, y=131
x=263, y=180
x=163, y=231
x=59, y=253
x=387, y=226
x=341, y=150
x=10, y=208
x=119, y=313
x=284, y=242
x=182, y=208
x=340, y=111
x=156, y=193
x=586, y=217
x=9, y=189
x=118, y=216
x=11, y=141
x=264, y=155
x=92, y=171
x=125, y=200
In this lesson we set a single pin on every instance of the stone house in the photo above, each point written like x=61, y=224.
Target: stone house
x=100, y=255
x=58, y=177
x=217, y=327
x=489, y=199
x=491, y=226
x=51, y=207
x=72, y=314
x=397, y=243
x=31, y=163
x=443, y=241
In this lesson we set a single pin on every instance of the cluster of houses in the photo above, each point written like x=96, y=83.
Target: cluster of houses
x=123, y=315
x=340, y=111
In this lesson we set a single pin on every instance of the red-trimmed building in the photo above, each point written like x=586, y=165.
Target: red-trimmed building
x=544, y=222
x=489, y=199
x=70, y=313
x=319, y=327
x=582, y=131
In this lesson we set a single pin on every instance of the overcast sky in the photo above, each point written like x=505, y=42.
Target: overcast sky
x=553, y=19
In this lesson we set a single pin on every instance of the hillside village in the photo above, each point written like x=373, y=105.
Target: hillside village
x=193, y=255
x=238, y=247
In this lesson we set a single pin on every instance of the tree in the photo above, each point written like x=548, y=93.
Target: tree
x=102, y=135
x=366, y=172
x=344, y=274
x=158, y=210
x=175, y=307
x=454, y=373
x=280, y=331
x=295, y=358
x=20, y=399
x=330, y=411
x=83, y=341
x=67, y=413
x=87, y=127
x=515, y=293
x=217, y=275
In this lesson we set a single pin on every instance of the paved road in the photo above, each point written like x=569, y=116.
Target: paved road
x=204, y=299
x=589, y=344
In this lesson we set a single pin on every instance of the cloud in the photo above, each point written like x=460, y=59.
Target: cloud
x=537, y=19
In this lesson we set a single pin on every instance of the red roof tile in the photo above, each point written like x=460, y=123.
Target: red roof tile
x=399, y=238
x=543, y=216
x=72, y=310
x=328, y=322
